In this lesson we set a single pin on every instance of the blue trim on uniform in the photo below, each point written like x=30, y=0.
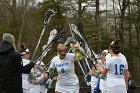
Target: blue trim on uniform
x=97, y=88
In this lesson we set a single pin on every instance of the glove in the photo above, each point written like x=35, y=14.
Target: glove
x=48, y=83
x=88, y=83
x=32, y=64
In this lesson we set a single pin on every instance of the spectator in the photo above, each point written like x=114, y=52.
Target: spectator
x=11, y=66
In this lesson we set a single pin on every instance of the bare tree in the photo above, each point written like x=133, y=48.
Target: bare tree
x=123, y=6
x=23, y=21
x=11, y=6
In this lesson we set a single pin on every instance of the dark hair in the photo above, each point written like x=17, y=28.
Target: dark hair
x=23, y=49
x=115, y=46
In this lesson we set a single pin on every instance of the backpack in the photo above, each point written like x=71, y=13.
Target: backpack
x=131, y=83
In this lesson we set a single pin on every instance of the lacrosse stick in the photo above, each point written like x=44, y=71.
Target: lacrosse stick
x=54, y=41
x=48, y=15
x=52, y=36
x=72, y=29
x=68, y=41
x=83, y=43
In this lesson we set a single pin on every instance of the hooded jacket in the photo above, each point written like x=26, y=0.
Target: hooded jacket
x=11, y=69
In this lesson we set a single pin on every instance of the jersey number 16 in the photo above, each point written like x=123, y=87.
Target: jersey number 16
x=119, y=69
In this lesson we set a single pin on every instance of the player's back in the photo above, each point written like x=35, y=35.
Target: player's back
x=116, y=66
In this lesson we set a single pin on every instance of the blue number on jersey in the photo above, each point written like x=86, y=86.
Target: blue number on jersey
x=62, y=70
x=119, y=69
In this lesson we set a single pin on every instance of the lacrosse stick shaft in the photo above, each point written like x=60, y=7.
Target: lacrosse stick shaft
x=39, y=42
x=82, y=68
x=41, y=55
x=87, y=64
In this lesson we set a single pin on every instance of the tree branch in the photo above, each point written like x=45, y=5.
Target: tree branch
x=7, y=5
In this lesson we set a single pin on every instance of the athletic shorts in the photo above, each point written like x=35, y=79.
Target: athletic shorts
x=117, y=89
x=67, y=88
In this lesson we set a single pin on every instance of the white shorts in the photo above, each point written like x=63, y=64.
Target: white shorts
x=42, y=89
x=67, y=88
x=26, y=90
x=104, y=91
x=34, y=88
x=117, y=89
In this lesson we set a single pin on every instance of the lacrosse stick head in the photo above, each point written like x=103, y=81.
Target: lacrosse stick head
x=69, y=40
x=48, y=15
x=53, y=33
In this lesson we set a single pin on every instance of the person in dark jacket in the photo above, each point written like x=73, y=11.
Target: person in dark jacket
x=11, y=66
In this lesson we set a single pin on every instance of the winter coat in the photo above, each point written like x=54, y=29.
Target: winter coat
x=11, y=69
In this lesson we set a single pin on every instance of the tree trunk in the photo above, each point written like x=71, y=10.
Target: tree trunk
x=130, y=38
x=79, y=20
x=23, y=21
x=14, y=10
x=121, y=24
x=97, y=22
x=115, y=24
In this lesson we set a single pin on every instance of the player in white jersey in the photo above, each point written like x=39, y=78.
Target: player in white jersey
x=96, y=75
x=42, y=84
x=25, y=58
x=103, y=78
x=37, y=79
x=67, y=80
x=116, y=69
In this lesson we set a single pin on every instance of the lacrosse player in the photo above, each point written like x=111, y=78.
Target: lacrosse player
x=94, y=80
x=98, y=80
x=103, y=78
x=37, y=78
x=67, y=80
x=116, y=69
x=42, y=85
x=25, y=77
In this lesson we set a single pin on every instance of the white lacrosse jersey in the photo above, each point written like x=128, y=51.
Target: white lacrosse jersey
x=115, y=75
x=65, y=69
x=25, y=77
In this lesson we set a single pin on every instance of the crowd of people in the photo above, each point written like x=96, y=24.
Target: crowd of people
x=19, y=75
